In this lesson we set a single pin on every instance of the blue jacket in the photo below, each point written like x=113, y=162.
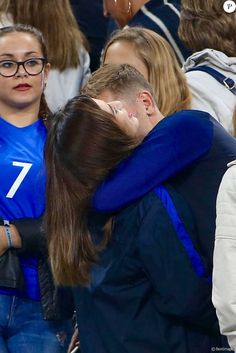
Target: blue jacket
x=150, y=291
x=190, y=145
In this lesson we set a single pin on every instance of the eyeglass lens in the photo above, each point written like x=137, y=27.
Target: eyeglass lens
x=32, y=66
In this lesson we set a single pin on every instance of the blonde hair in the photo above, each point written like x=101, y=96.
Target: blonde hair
x=164, y=73
x=205, y=24
x=57, y=23
x=123, y=81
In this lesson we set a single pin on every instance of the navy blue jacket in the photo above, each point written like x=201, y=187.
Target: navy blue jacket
x=89, y=15
x=189, y=144
x=149, y=292
x=151, y=288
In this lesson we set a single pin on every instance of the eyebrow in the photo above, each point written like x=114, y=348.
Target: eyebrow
x=112, y=109
x=10, y=55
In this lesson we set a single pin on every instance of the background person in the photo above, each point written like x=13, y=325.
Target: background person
x=138, y=46
x=177, y=146
x=209, y=32
x=224, y=265
x=66, y=44
x=158, y=15
x=32, y=318
x=94, y=25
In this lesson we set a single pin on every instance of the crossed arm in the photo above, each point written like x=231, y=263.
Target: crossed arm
x=27, y=236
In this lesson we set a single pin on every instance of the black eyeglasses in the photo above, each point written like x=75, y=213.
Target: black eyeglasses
x=33, y=66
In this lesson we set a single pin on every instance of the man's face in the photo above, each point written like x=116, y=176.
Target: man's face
x=134, y=107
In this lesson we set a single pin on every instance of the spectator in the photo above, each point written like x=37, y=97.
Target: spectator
x=158, y=15
x=224, y=280
x=33, y=316
x=210, y=33
x=138, y=46
x=65, y=42
x=94, y=25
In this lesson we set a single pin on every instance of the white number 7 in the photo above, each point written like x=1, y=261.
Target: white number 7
x=15, y=186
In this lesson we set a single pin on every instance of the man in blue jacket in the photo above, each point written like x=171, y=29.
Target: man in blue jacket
x=151, y=289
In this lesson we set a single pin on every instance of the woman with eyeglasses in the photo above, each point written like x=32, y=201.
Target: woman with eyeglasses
x=66, y=44
x=31, y=317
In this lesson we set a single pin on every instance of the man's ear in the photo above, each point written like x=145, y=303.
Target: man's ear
x=146, y=98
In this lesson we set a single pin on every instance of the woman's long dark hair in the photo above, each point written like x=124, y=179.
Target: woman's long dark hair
x=84, y=144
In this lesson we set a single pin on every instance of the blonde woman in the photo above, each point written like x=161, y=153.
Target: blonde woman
x=151, y=54
x=161, y=16
x=66, y=44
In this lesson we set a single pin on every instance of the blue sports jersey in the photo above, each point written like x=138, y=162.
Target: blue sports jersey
x=22, y=180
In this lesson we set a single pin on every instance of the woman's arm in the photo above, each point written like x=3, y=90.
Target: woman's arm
x=15, y=239
x=224, y=261
x=174, y=143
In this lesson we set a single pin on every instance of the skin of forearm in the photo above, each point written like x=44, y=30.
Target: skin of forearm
x=15, y=237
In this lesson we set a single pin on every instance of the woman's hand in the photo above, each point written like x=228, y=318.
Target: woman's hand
x=3, y=241
x=15, y=237
x=74, y=341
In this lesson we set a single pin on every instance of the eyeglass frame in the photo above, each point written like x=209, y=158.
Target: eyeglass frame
x=19, y=63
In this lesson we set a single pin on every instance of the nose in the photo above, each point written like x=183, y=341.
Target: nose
x=21, y=71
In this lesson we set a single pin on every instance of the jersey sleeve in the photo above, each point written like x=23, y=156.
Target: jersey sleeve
x=175, y=143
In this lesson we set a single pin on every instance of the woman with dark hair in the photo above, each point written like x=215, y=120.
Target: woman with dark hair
x=84, y=144
x=135, y=286
x=66, y=44
x=31, y=319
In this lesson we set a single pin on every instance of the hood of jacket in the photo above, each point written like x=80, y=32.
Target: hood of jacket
x=213, y=58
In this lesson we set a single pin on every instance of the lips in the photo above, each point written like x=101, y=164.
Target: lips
x=22, y=87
